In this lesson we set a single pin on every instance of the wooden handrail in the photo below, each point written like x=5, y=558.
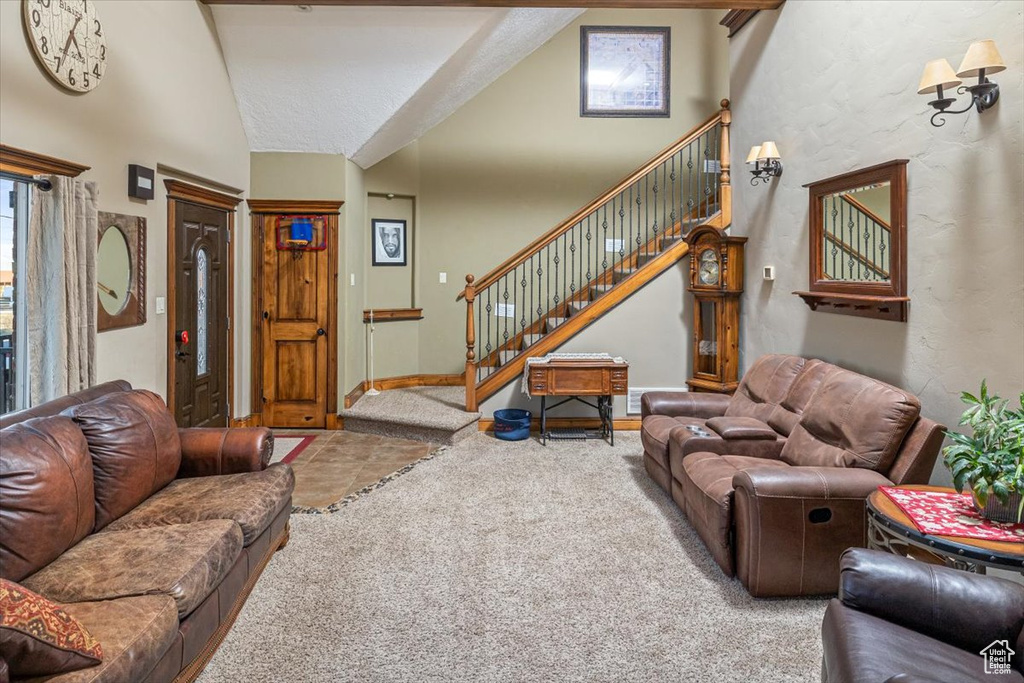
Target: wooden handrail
x=866, y=211
x=551, y=235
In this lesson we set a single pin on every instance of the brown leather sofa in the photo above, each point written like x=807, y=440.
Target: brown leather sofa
x=774, y=478
x=151, y=536
x=904, y=621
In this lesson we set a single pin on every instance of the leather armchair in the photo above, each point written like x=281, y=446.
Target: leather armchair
x=680, y=404
x=206, y=451
x=902, y=620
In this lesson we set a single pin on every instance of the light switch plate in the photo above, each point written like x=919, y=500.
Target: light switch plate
x=769, y=272
x=161, y=305
x=352, y=280
x=442, y=278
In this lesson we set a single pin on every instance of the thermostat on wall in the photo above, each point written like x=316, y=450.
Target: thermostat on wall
x=769, y=272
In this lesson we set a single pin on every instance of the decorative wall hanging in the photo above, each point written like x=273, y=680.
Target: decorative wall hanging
x=624, y=71
x=120, y=271
x=389, y=242
x=301, y=233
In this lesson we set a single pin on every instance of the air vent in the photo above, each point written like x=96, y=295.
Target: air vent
x=633, y=405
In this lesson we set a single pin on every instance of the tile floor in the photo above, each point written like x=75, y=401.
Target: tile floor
x=338, y=463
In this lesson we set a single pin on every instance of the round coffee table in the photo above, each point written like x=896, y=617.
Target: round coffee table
x=889, y=528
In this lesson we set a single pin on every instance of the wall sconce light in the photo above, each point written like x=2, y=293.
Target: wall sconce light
x=982, y=59
x=767, y=162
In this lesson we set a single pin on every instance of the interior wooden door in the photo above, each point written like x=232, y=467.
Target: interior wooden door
x=297, y=335
x=200, y=366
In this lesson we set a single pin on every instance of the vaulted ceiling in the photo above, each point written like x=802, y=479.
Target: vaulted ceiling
x=366, y=81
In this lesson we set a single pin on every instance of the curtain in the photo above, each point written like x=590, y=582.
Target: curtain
x=61, y=289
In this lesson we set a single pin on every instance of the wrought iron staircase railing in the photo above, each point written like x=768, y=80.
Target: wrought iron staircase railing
x=569, y=276
x=856, y=241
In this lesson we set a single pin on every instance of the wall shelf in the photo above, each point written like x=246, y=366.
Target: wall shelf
x=864, y=305
x=386, y=315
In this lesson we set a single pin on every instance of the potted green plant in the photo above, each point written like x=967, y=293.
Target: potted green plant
x=990, y=461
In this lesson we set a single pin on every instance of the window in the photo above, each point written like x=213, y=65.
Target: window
x=14, y=198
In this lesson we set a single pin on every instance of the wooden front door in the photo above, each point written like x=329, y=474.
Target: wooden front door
x=201, y=308
x=297, y=339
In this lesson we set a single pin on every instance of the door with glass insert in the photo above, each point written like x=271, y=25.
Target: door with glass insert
x=201, y=316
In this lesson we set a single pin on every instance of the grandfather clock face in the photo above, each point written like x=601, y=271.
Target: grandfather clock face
x=708, y=270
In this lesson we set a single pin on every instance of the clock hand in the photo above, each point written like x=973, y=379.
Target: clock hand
x=72, y=39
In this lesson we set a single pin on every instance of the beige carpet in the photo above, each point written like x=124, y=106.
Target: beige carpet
x=430, y=414
x=512, y=562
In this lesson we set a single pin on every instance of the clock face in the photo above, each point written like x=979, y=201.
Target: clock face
x=68, y=40
x=708, y=267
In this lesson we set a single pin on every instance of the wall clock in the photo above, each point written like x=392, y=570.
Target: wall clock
x=716, y=282
x=68, y=41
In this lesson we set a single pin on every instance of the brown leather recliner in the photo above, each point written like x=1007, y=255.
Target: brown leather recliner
x=775, y=479
x=903, y=621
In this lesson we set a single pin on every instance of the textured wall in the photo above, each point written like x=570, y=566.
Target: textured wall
x=165, y=98
x=834, y=84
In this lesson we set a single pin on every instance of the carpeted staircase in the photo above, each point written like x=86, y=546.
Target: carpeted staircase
x=431, y=414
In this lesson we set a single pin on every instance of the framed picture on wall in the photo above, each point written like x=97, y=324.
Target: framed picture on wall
x=389, y=242
x=624, y=71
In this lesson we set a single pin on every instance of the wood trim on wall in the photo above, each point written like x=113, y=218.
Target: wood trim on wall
x=24, y=162
x=328, y=206
x=403, y=382
x=178, y=191
x=385, y=315
x=736, y=19
x=625, y=424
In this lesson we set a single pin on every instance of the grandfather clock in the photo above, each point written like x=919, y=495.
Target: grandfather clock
x=716, y=281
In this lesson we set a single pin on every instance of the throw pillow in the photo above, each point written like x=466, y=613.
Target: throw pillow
x=39, y=638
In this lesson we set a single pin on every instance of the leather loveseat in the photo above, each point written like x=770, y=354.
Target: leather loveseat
x=150, y=536
x=903, y=621
x=774, y=478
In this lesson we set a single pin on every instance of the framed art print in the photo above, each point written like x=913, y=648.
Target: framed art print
x=390, y=242
x=624, y=71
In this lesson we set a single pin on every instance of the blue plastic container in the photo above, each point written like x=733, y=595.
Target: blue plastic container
x=512, y=424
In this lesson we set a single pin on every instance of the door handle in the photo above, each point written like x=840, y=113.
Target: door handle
x=181, y=354
x=320, y=332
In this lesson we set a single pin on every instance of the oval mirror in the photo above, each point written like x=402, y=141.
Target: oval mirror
x=113, y=270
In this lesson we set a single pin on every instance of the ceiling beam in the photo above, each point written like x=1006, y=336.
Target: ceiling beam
x=625, y=4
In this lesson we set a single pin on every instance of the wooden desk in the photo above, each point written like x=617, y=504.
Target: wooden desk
x=889, y=528
x=574, y=378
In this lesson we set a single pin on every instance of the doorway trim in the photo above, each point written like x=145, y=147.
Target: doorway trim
x=178, y=191
x=258, y=209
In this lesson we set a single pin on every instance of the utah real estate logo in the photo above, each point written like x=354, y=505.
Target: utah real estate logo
x=997, y=657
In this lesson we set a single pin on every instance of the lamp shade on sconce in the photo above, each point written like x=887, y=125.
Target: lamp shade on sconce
x=768, y=151
x=981, y=56
x=755, y=152
x=937, y=74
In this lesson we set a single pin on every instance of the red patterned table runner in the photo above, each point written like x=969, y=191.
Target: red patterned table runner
x=944, y=513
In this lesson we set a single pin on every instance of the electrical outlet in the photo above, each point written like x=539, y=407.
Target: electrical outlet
x=505, y=311
x=613, y=244
x=443, y=278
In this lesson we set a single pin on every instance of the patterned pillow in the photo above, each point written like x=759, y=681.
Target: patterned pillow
x=38, y=638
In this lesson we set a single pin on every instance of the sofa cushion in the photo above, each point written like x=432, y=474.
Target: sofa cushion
x=862, y=647
x=730, y=428
x=38, y=637
x=136, y=632
x=183, y=561
x=787, y=414
x=706, y=481
x=46, y=493
x=852, y=421
x=135, y=449
x=251, y=499
x=655, y=431
x=764, y=385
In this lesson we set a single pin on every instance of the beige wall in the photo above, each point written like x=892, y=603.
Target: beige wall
x=391, y=286
x=163, y=99
x=849, y=101
x=517, y=159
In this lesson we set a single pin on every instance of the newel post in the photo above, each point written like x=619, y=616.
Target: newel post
x=471, y=405
x=725, y=191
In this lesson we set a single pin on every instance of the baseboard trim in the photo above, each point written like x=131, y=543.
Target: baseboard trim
x=404, y=382
x=622, y=424
x=253, y=420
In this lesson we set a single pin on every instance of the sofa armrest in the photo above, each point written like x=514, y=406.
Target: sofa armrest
x=206, y=452
x=755, y=448
x=683, y=404
x=959, y=608
x=793, y=524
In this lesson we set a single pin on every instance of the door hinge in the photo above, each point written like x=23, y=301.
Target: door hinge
x=229, y=322
x=229, y=235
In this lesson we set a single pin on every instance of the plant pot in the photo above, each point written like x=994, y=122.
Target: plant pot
x=1000, y=512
